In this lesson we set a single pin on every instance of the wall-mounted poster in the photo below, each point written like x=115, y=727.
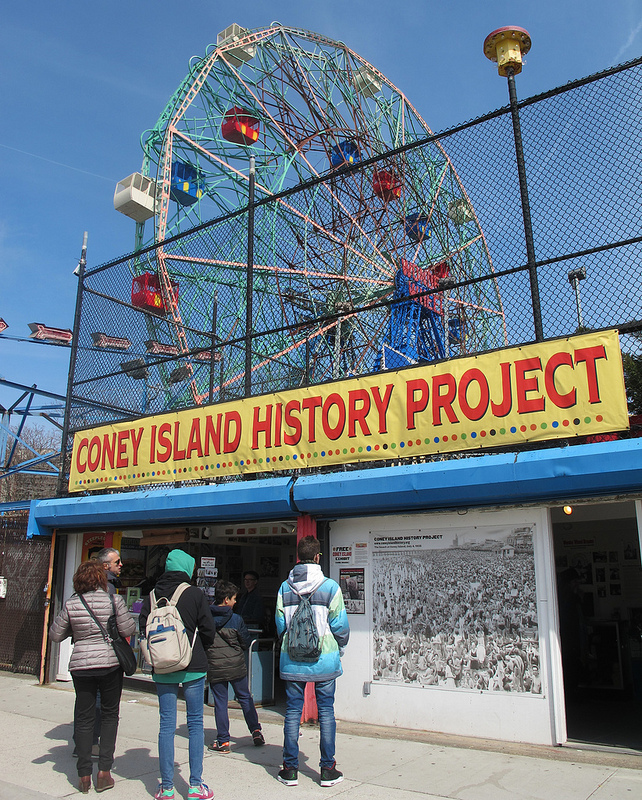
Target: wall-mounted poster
x=352, y=582
x=456, y=609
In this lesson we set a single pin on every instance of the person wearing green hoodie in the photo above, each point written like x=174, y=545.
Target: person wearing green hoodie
x=195, y=613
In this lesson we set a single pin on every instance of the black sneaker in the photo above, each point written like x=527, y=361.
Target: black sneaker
x=331, y=775
x=258, y=738
x=219, y=747
x=289, y=776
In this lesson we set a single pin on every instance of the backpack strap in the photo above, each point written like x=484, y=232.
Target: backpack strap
x=178, y=592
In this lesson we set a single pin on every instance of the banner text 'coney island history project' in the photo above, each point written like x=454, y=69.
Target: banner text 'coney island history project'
x=567, y=387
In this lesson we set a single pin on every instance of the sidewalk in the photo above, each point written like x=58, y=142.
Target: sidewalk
x=36, y=761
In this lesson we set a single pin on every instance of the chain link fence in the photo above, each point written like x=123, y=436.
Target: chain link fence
x=413, y=256
x=25, y=565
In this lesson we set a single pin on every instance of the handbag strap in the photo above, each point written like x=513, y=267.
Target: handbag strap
x=106, y=636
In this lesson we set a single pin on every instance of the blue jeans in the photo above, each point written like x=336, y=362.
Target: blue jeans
x=324, y=691
x=220, y=692
x=167, y=696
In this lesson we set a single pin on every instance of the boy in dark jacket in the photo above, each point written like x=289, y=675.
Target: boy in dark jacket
x=226, y=663
x=195, y=614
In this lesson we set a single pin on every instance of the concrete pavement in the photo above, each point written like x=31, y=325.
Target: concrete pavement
x=379, y=764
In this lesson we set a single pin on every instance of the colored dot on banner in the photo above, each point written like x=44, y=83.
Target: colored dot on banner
x=368, y=448
x=502, y=431
x=522, y=428
x=323, y=454
x=533, y=426
x=543, y=426
x=436, y=440
x=241, y=462
x=599, y=418
x=393, y=445
x=260, y=460
x=565, y=423
x=473, y=435
x=454, y=437
x=294, y=456
x=555, y=424
x=402, y=444
x=493, y=432
x=316, y=455
x=464, y=436
x=444, y=438
x=345, y=451
x=310, y=455
x=576, y=421
x=513, y=429
x=587, y=420
x=352, y=450
x=376, y=447
x=482, y=433
x=218, y=466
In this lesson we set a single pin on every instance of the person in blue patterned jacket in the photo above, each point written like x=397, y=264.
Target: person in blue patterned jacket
x=331, y=619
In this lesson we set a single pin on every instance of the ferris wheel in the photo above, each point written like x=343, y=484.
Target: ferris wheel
x=325, y=256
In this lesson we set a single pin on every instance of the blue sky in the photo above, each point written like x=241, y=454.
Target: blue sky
x=81, y=81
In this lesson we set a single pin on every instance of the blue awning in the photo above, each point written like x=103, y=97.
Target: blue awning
x=233, y=502
x=604, y=468
x=559, y=473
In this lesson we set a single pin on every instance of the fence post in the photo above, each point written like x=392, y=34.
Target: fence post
x=72, y=366
x=249, y=283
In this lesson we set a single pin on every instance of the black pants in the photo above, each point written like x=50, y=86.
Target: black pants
x=86, y=686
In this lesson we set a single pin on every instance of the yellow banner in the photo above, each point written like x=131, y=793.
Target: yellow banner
x=563, y=388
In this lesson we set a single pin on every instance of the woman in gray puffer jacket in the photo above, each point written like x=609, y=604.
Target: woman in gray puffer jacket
x=93, y=667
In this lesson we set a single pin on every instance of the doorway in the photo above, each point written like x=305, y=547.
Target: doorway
x=599, y=588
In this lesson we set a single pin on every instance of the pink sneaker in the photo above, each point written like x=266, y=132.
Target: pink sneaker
x=164, y=794
x=202, y=792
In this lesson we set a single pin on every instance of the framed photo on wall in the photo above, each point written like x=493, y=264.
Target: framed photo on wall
x=352, y=582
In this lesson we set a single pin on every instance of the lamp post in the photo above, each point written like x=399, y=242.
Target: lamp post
x=574, y=278
x=506, y=46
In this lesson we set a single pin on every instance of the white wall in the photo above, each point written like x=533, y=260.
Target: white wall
x=524, y=717
x=72, y=560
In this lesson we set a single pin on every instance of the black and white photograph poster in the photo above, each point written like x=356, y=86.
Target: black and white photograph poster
x=352, y=583
x=456, y=609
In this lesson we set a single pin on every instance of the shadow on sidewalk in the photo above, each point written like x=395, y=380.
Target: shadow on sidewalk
x=135, y=763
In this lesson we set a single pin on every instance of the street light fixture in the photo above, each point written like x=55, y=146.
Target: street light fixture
x=179, y=374
x=574, y=278
x=136, y=369
x=506, y=47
